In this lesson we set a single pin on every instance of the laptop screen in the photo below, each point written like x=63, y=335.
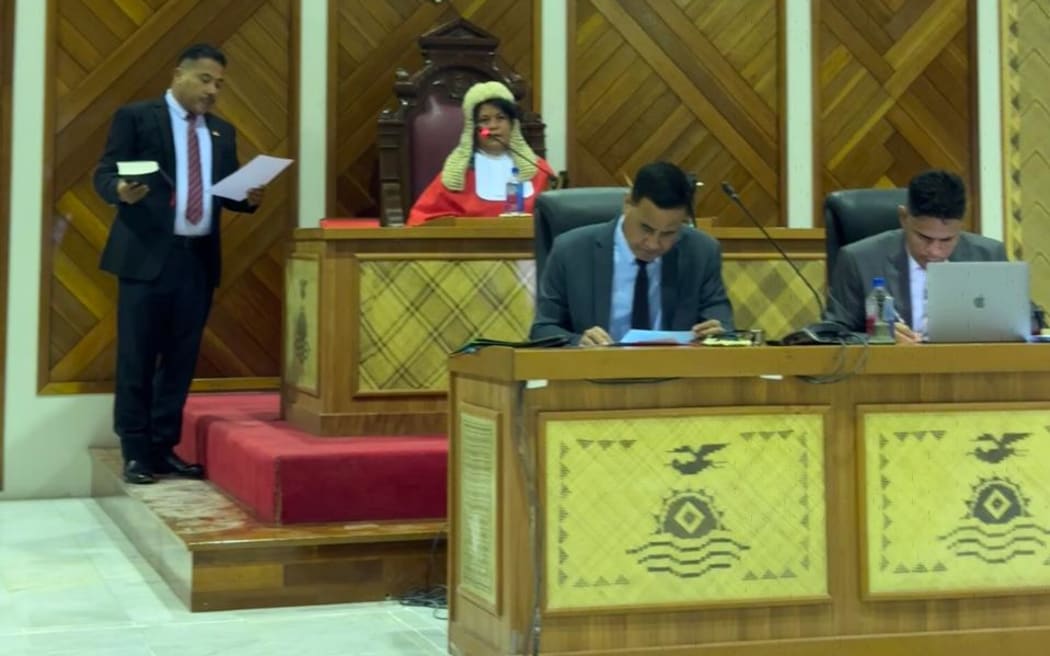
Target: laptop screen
x=978, y=302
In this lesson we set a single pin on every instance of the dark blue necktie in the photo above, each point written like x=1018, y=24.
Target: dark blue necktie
x=640, y=307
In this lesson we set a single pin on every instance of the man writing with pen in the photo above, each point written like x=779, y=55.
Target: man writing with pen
x=931, y=231
x=645, y=269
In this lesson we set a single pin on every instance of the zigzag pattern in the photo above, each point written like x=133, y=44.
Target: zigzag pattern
x=1026, y=73
x=1011, y=84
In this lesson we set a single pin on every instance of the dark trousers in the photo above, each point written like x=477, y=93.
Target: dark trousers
x=159, y=328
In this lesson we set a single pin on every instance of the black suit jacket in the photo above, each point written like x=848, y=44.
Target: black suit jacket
x=885, y=255
x=575, y=292
x=143, y=233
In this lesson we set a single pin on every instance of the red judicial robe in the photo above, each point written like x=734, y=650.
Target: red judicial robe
x=436, y=200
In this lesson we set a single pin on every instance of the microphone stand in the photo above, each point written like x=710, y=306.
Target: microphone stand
x=733, y=196
x=555, y=180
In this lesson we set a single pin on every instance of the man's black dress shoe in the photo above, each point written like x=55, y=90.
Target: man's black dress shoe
x=137, y=473
x=172, y=464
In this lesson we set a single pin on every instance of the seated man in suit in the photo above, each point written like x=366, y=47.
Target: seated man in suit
x=931, y=231
x=648, y=268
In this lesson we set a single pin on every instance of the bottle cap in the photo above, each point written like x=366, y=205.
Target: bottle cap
x=878, y=281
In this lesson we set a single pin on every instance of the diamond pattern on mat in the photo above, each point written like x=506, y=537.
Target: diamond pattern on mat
x=767, y=294
x=414, y=312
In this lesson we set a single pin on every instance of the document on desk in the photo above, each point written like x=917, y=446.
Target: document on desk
x=256, y=173
x=635, y=336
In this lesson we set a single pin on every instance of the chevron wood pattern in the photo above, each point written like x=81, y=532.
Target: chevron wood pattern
x=372, y=39
x=695, y=82
x=105, y=54
x=7, y=34
x=1026, y=115
x=896, y=89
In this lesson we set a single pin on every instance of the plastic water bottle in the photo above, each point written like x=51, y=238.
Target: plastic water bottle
x=515, y=203
x=879, y=313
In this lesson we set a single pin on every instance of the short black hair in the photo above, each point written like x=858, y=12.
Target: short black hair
x=666, y=185
x=202, y=51
x=506, y=106
x=937, y=193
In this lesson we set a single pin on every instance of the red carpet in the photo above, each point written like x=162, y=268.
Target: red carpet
x=287, y=476
x=203, y=410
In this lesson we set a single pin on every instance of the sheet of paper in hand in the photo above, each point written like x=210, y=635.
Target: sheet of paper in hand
x=256, y=173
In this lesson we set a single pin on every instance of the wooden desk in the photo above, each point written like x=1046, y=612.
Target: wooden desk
x=371, y=314
x=884, y=514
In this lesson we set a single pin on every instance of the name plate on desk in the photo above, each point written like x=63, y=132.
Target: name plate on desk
x=684, y=507
x=956, y=498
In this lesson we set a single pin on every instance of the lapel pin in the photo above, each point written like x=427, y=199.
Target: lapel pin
x=214, y=133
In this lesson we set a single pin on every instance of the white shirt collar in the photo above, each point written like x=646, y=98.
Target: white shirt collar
x=917, y=291
x=179, y=111
x=912, y=264
x=623, y=249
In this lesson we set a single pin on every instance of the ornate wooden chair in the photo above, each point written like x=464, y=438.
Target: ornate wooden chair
x=416, y=136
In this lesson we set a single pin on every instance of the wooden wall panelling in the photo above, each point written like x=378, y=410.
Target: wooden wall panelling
x=101, y=56
x=895, y=93
x=695, y=82
x=7, y=36
x=1025, y=65
x=369, y=40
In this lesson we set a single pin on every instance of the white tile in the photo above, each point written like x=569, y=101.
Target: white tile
x=76, y=606
x=88, y=642
x=70, y=583
x=14, y=644
x=10, y=622
x=438, y=637
x=27, y=572
x=202, y=639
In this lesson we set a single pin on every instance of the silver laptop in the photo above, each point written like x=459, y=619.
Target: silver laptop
x=978, y=302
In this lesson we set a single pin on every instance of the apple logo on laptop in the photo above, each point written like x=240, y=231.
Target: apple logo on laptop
x=978, y=302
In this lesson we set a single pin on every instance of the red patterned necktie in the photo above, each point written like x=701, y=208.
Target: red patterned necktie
x=195, y=188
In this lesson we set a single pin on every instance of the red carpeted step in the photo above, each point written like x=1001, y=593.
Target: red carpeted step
x=285, y=475
x=290, y=477
x=202, y=410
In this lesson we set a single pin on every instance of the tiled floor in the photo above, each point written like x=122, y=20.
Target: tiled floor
x=70, y=583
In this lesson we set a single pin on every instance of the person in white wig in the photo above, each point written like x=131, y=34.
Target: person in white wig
x=473, y=180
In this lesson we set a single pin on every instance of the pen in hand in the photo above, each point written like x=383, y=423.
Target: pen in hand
x=901, y=330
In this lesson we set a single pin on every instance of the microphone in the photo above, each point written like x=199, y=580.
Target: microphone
x=735, y=197
x=488, y=134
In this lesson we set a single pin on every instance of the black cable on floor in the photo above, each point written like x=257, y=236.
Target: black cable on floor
x=429, y=596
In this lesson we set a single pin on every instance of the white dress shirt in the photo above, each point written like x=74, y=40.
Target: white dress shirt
x=491, y=174
x=625, y=272
x=179, y=130
x=917, y=278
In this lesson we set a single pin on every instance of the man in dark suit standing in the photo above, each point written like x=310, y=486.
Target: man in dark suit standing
x=646, y=269
x=164, y=247
x=931, y=231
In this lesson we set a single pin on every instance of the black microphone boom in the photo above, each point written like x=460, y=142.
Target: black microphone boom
x=485, y=132
x=733, y=196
